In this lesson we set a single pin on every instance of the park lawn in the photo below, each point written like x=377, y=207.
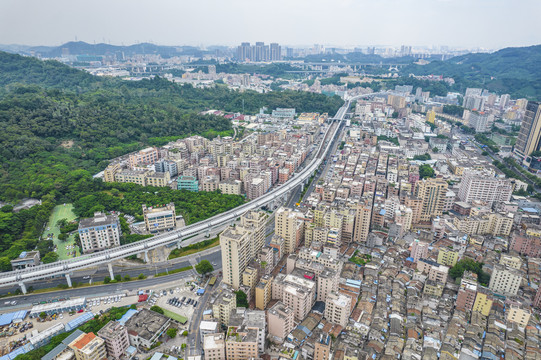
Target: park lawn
x=61, y=212
x=181, y=319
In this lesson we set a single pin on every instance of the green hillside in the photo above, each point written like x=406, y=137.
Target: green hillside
x=511, y=70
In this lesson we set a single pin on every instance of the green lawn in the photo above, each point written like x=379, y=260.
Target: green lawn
x=61, y=212
x=181, y=319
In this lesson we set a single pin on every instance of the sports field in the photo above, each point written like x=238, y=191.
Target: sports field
x=61, y=212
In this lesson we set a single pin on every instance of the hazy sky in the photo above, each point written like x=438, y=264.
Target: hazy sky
x=457, y=23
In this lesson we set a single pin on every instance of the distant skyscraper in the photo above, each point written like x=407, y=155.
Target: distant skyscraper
x=275, y=52
x=529, y=137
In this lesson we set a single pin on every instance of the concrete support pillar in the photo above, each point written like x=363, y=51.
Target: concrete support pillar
x=110, y=266
x=207, y=232
x=23, y=287
x=68, y=279
x=146, y=256
x=178, y=245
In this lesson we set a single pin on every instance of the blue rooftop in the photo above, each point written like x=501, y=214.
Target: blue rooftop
x=75, y=323
x=127, y=316
x=6, y=319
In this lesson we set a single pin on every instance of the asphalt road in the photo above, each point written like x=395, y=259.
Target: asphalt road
x=24, y=300
x=194, y=336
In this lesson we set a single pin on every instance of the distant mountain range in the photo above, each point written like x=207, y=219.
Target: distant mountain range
x=516, y=71
x=83, y=48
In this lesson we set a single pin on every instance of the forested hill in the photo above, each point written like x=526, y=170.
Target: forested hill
x=511, y=70
x=56, y=119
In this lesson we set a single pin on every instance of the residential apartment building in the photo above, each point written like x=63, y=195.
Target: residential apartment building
x=159, y=219
x=116, y=339
x=447, y=257
x=296, y=292
x=432, y=193
x=240, y=245
x=419, y=250
x=505, y=280
x=241, y=343
x=214, y=346
x=88, y=347
x=189, y=183
x=280, y=320
x=223, y=306
x=338, y=308
x=146, y=156
x=231, y=187
x=263, y=292
x=99, y=232
x=485, y=187
x=322, y=347
x=289, y=227
x=519, y=315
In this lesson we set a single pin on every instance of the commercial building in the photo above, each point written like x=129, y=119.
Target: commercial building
x=159, y=219
x=529, y=136
x=116, y=339
x=505, y=280
x=214, y=346
x=145, y=327
x=100, y=232
x=483, y=186
x=280, y=319
x=338, y=308
x=88, y=347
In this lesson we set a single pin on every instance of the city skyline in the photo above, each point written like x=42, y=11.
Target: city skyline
x=455, y=23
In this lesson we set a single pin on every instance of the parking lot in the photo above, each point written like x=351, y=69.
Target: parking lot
x=180, y=300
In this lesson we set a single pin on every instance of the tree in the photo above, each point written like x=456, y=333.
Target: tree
x=157, y=309
x=118, y=277
x=426, y=171
x=43, y=315
x=242, y=299
x=172, y=332
x=484, y=153
x=61, y=223
x=63, y=237
x=183, y=346
x=185, y=333
x=127, y=277
x=435, y=150
x=141, y=276
x=107, y=280
x=204, y=267
x=50, y=257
